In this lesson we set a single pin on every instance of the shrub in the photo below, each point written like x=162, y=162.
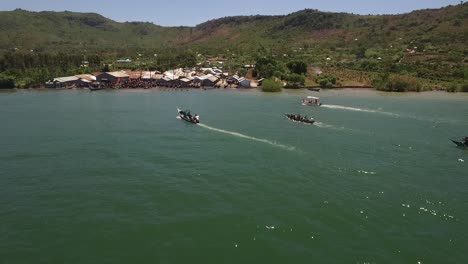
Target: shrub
x=267, y=67
x=326, y=81
x=451, y=88
x=298, y=67
x=7, y=81
x=270, y=85
x=464, y=87
x=398, y=83
x=242, y=72
x=295, y=80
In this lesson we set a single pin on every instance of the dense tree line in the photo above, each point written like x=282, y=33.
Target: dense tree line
x=33, y=69
x=27, y=60
x=293, y=72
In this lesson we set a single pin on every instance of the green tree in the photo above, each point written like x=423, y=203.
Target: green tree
x=399, y=83
x=361, y=52
x=7, y=81
x=106, y=68
x=295, y=80
x=267, y=66
x=297, y=67
x=464, y=87
x=242, y=72
x=326, y=81
x=271, y=85
x=186, y=59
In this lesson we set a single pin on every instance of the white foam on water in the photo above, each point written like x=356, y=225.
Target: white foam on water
x=348, y=108
x=366, y=172
x=379, y=111
x=266, y=141
x=324, y=125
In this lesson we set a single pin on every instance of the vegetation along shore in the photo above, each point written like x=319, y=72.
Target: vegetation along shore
x=417, y=51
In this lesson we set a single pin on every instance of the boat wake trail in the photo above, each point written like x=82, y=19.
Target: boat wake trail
x=419, y=118
x=323, y=125
x=290, y=148
x=358, y=109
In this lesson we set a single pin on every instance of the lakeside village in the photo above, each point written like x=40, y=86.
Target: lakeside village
x=198, y=77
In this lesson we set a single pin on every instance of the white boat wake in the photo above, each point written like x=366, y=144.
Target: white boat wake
x=289, y=148
x=426, y=119
x=324, y=125
x=341, y=107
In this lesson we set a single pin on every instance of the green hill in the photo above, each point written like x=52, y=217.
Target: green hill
x=86, y=32
x=365, y=43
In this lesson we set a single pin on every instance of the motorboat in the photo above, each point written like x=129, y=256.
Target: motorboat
x=95, y=88
x=311, y=100
x=314, y=89
x=187, y=116
x=299, y=118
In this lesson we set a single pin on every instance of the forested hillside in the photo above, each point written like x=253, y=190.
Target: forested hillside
x=428, y=44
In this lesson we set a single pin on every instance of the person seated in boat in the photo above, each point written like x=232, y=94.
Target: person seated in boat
x=465, y=141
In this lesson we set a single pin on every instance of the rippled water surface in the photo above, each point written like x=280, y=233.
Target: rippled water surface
x=115, y=177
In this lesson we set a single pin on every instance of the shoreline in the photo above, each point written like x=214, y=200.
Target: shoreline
x=258, y=89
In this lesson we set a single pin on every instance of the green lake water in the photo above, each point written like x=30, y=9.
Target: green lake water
x=115, y=177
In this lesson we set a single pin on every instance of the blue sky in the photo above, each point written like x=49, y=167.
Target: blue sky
x=190, y=13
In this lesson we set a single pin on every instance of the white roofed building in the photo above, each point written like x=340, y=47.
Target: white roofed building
x=62, y=82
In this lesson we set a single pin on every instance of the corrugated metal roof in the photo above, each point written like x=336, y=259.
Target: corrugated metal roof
x=170, y=76
x=66, y=79
x=88, y=77
x=118, y=74
x=243, y=80
x=213, y=79
x=149, y=74
x=133, y=74
x=157, y=76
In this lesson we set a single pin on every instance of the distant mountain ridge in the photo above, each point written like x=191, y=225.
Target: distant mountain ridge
x=91, y=32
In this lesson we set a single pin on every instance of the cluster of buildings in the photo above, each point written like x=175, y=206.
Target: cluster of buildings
x=176, y=78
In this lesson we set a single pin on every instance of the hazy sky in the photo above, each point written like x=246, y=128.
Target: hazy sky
x=192, y=12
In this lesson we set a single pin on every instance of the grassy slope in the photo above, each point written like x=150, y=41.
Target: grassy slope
x=63, y=30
